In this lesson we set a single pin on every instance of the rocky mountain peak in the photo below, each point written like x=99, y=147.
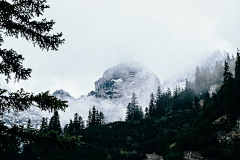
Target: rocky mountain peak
x=125, y=78
x=61, y=94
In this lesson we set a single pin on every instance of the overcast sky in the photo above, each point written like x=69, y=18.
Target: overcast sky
x=165, y=36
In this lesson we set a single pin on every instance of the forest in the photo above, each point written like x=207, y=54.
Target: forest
x=187, y=123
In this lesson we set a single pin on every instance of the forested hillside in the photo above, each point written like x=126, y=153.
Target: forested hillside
x=200, y=121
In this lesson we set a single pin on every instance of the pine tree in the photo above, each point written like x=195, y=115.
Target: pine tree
x=70, y=126
x=65, y=129
x=44, y=125
x=81, y=123
x=196, y=103
x=168, y=98
x=158, y=98
x=176, y=103
x=24, y=19
x=54, y=123
x=29, y=125
x=188, y=94
x=134, y=111
x=94, y=116
x=89, y=117
x=228, y=57
x=134, y=101
x=101, y=118
x=229, y=92
x=146, y=112
x=160, y=102
x=237, y=73
x=197, y=81
x=129, y=112
x=152, y=108
x=76, y=122
x=21, y=19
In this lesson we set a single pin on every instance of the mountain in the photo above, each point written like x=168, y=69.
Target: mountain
x=21, y=118
x=120, y=81
x=63, y=95
x=112, y=94
x=180, y=77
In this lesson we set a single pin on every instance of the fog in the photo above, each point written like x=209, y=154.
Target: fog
x=165, y=36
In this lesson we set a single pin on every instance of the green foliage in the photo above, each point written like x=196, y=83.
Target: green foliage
x=21, y=19
x=134, y=111
x=152, y=106
x=95, y=117
x=54, y=124
x=44, y=125
x=237, y=73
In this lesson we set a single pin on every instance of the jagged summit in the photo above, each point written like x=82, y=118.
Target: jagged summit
x=123, y=69
x=124, y=79
x=61, y=94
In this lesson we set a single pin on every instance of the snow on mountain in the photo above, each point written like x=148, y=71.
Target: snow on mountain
x=111, y=95
x=21, y=118
x=123, y=79
x=61, y=94
x=114, y=90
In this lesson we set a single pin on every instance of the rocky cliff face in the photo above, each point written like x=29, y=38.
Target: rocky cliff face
x=123, y=79
x=63, y=95
x=112, y=93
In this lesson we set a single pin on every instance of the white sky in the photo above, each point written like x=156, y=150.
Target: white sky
x=165, y=36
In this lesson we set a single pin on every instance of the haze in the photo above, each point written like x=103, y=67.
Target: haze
x=165, y=36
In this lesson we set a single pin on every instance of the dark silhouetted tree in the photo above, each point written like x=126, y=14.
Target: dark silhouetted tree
x=152, y=106
x=237, y=73
x=20, y=19
x=229, y=92
x=134, y=111
x=29, y=125
x=54, y=123
x=44, y=125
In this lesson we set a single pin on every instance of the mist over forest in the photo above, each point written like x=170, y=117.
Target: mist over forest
x=119, y=80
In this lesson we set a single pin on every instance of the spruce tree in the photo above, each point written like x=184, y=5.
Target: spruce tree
x=20, y=19
x=54, y=123
x=44, y=125
x=29, y=125
x=76, y=122
x=89, y=118
x=158, y=98
x=188, y=94
x=94, y=116
x=237, y=73
x=101, y=118
x=197, y=81
x=65, y=129
x=134, y=111
x=146, y=113
x=196, y=103
x=81, y=123
x=152, y=108
x=229, y=91
x=175, y=99
x=70, y=126
x=160, y=102
x=129, y=112
x=168, y=98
